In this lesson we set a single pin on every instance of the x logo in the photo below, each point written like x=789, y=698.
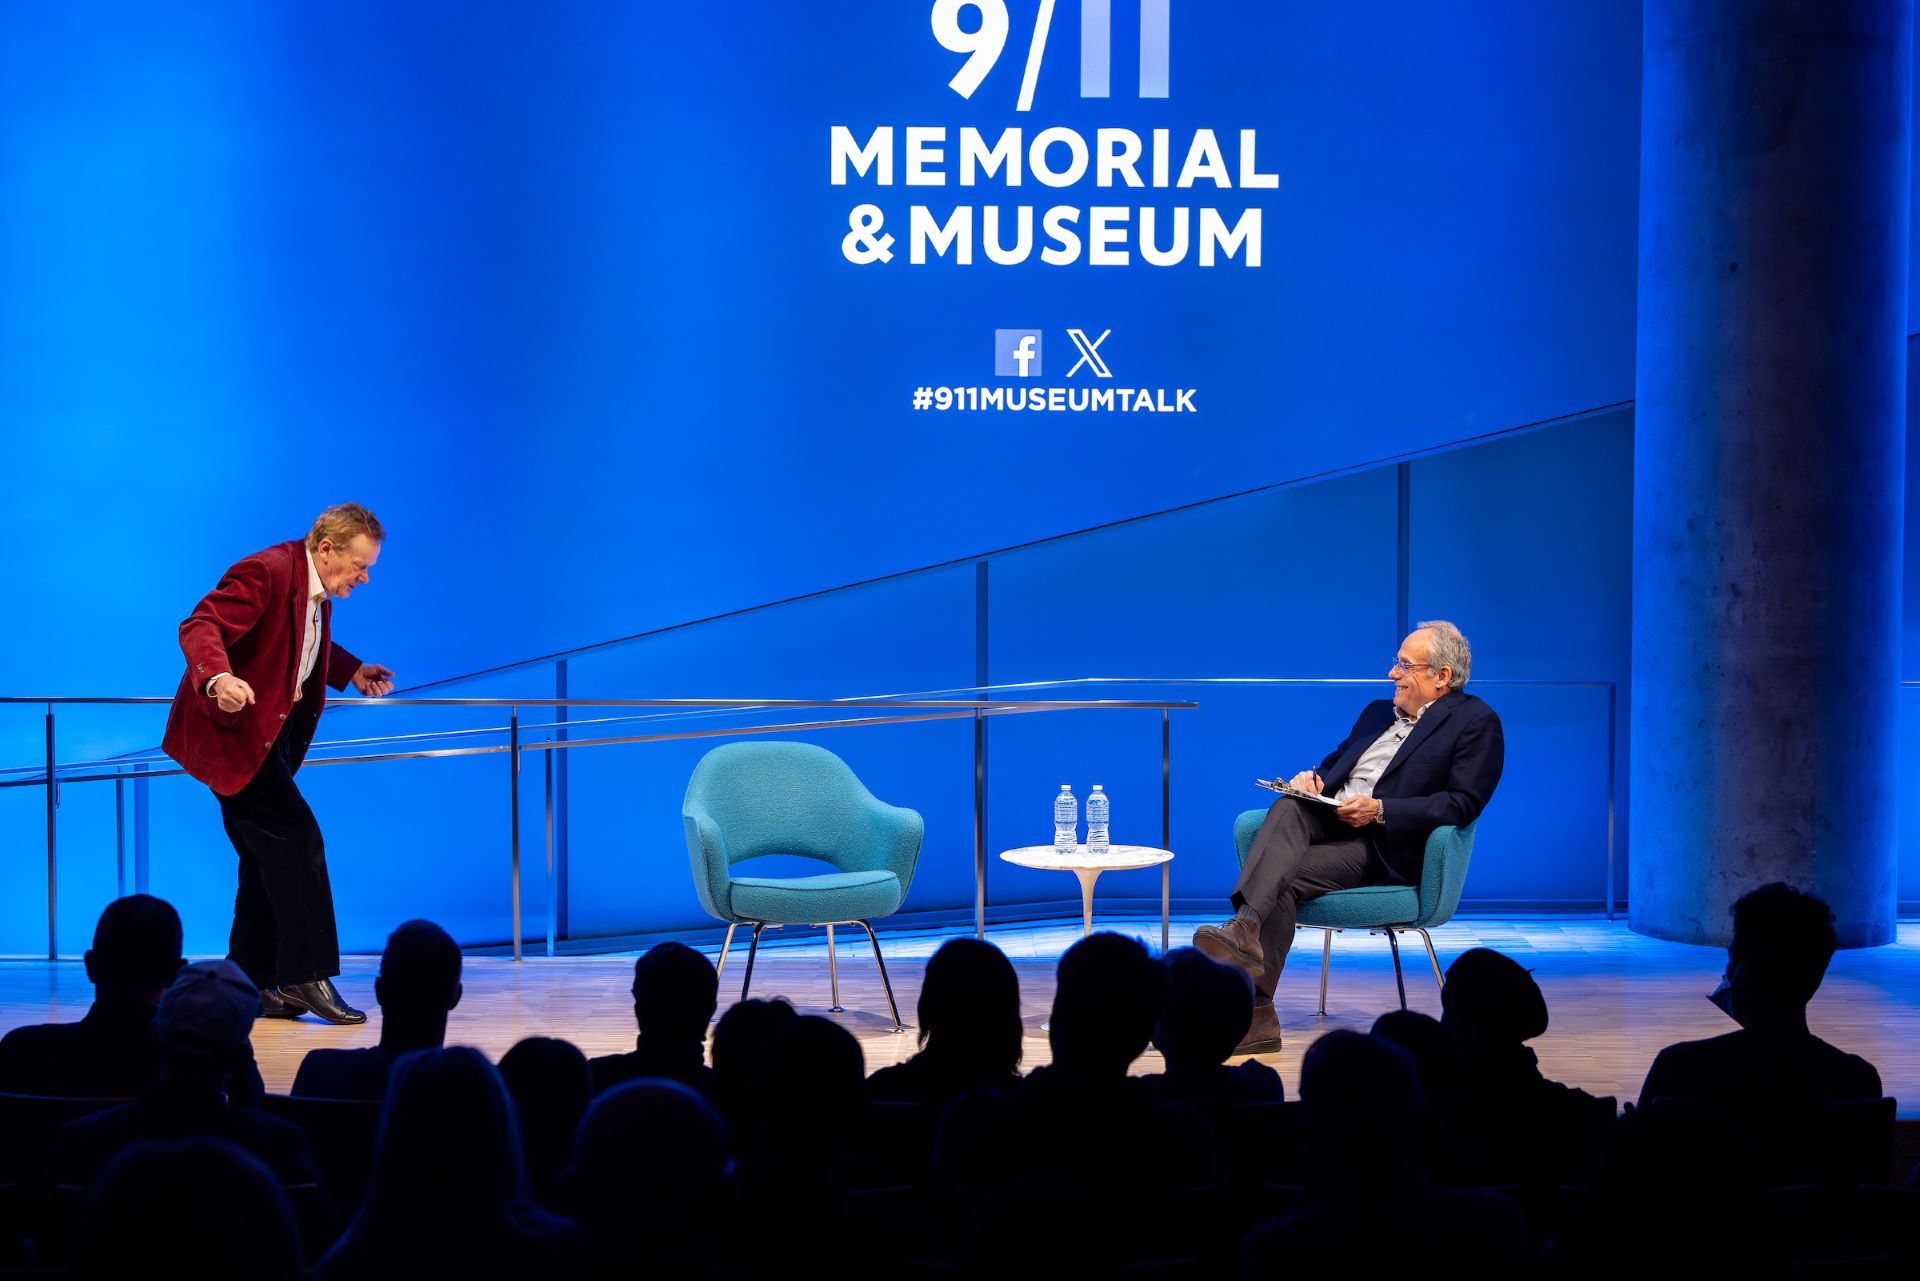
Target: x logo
x=1089, y=353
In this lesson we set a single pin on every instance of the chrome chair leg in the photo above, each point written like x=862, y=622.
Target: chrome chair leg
x=753, y=949
x=833, y=972
x=885, y=982
x=1438, y=977
x=726, y=943
x=1399, y=980
x=1326, y=963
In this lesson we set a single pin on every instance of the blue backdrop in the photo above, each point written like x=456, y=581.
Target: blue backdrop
x=565, y=295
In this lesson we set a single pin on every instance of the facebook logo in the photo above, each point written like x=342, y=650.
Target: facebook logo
x=1016, y=353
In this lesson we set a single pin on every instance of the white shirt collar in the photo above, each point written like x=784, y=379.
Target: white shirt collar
x=1414, y=719
x=315, y=588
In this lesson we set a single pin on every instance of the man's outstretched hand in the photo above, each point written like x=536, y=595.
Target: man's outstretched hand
x=373, y=680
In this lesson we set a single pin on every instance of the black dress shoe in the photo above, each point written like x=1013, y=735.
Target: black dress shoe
x=272, y=1007
x=321, y=998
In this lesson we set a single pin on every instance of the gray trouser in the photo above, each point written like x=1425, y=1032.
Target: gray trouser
x=1300, y=852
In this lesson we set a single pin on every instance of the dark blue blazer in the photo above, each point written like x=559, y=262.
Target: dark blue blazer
x=1442, y=776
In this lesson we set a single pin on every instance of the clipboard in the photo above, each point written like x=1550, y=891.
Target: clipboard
x=1288, y=789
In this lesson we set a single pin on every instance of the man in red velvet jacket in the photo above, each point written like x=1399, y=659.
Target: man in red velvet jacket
x=259, y=658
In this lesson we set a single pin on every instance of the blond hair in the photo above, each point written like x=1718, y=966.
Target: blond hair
x=341, y=523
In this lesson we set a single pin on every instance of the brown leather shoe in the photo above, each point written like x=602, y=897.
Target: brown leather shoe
x=1233, y=942
x=1263, y=1036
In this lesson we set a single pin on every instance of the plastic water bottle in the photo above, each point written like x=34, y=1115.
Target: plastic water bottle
x=1097, y=822
x=1066, y=821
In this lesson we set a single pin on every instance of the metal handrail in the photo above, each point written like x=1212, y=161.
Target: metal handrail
x=52, y=775
x=36, y=775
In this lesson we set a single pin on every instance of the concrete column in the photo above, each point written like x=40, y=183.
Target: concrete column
x=1769, y=446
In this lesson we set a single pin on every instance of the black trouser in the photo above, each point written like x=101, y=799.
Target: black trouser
x=1302, y=851
x=283, y=928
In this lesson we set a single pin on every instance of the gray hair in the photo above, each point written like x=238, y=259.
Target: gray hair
x=1449, y=648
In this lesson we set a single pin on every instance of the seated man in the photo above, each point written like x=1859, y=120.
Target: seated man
x=1363, y=1110
x=675, y=991
x=111, y=1053
x=1429, y=758
x=203, y=1024
x=1082, y=1119
x=1782, y=942
x=419, y=985
x=1512, y=1123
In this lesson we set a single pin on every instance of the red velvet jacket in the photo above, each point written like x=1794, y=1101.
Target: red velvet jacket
x=251, y=625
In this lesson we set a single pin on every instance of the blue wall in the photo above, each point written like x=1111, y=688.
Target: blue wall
x=560, y=294
x=1203, y=592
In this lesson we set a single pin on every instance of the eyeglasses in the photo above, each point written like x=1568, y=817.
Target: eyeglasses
x=1402, y=665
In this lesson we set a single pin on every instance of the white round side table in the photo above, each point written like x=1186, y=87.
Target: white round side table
x=1087, y=867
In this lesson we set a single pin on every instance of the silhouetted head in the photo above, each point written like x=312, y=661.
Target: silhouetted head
x=200, y=1208
x=1491, y=1000
x=740, y=1041
x=970, y=1005
x=1362, y=1101
x=551, y=1085
x=448, y=1156
x=649, y=1170
x=205, y=1022
x=1108, y=994
x=136, y=947
x=811, y=1085
x=1436, y=1058
x=1209, y=1009
x=1783, y=941
x=419, y=979
x=675, y=991
x=547, y=1074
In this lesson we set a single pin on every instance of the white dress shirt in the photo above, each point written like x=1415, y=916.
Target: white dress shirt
x=1373, y=762
x=310, y=638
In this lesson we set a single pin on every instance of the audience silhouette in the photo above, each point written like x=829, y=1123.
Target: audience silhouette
x=1209, y=1008
x=203, y=1023
x=794, y=1184
x=649, y=1179
x=739, y=1045
x=447, y=1196
x=199, y=1208
x=1082, y=1118
x=418, y=986
x=1363, y=1106
x=1516, y=1126
x=1782, y=943
x=551, y=1087
x=970, y=1029
x=675, y=992
x=111, y=1053
x=1400, y=1133
x=1443, y=1152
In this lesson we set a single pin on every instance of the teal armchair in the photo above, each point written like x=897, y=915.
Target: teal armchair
x=749, y=799
x=1385, y=909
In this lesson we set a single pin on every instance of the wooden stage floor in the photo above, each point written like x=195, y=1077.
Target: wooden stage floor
x=1616, y=998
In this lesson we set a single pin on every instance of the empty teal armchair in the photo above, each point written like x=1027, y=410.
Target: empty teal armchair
x=1385, y=909
x=750, y=799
